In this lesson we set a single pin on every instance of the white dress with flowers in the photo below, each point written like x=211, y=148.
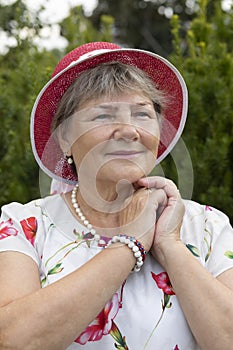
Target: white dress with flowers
x=144, y=313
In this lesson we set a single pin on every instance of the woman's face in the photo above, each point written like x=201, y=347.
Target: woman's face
x=114, y=138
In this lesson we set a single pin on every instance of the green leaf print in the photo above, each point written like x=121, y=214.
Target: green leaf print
x=229, y=254
x=78, y=235
x=43, y=281
x=208, y=241
x=194, y=250
x=56, y=269
x=166, y=301
x=120, y=341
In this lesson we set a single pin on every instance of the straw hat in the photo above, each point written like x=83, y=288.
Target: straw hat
x=165, y=76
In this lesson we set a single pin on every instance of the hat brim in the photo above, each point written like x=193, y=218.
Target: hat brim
x=165, y=76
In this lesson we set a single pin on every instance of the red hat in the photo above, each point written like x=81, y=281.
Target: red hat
x=165, y=76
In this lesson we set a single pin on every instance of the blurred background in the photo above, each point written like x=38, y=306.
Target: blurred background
x=195, y=35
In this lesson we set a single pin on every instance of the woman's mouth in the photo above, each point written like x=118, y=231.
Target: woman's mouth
x=124, y=154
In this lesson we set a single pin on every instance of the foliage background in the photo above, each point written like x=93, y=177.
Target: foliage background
x=197, y=39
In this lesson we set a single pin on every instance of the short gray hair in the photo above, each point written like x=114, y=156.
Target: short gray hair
x=107, y=79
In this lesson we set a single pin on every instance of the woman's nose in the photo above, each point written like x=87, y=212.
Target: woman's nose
x=126, y=131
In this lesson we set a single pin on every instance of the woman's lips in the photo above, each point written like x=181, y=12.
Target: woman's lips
x=124, y=154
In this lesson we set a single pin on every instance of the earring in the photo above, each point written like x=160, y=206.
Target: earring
x=69, y=159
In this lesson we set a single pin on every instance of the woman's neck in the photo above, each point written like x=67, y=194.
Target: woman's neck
x=102, y=203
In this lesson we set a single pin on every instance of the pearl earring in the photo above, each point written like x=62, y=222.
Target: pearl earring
x=69, y=159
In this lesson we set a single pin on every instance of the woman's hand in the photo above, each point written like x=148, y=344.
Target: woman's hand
x=170, y=214
x=138, y=217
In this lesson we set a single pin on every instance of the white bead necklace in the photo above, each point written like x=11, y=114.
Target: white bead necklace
x=136, y=247
x=77, y=209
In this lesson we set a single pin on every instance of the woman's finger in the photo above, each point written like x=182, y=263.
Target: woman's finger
x=159, y=182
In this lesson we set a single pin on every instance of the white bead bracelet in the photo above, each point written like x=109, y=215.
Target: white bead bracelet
x=133, y=244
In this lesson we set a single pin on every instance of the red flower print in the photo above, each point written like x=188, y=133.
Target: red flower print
x=7, y=229
x=163, y=282
x=29, y=227
x=176, y=348
x=102, y=324
x=208, y=208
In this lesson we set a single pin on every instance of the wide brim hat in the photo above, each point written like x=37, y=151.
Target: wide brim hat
x=165, y=76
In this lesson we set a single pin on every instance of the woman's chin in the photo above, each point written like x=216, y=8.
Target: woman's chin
x=126, y=173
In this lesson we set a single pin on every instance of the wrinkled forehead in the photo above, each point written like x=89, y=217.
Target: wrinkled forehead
x=114, y=109
x=116, y=101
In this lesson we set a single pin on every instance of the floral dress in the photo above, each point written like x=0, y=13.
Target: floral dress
x=144, y=313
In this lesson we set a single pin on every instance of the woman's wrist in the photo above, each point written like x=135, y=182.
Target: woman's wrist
x=134, y=245
x=165, y=252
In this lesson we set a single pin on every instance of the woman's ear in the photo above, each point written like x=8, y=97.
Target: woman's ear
x=62, y=139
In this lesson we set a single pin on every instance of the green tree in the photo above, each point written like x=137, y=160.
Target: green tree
x=78, y=29
x=20, y=82
x=144, y=24
x=207, y=66
x=23, y=72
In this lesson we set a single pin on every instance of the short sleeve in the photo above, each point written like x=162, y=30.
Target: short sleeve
x=208, y=234
x=18, y=230
x=221, y=250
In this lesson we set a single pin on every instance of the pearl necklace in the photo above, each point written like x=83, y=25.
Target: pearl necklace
x=77, y=209
x=133, y=244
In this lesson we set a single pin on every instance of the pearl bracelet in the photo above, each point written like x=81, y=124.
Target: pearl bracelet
x=133, y=244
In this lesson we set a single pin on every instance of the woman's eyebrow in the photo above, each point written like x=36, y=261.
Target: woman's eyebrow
x=143, y=103
x=146, y=103
x=104, y=106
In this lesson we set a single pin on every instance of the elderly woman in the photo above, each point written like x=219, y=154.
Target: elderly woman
x=120, y=261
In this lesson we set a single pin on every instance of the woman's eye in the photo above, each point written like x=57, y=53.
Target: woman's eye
x=104, y=117
x=143, y=115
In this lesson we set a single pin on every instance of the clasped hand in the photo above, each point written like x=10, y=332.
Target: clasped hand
x=154, y=214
